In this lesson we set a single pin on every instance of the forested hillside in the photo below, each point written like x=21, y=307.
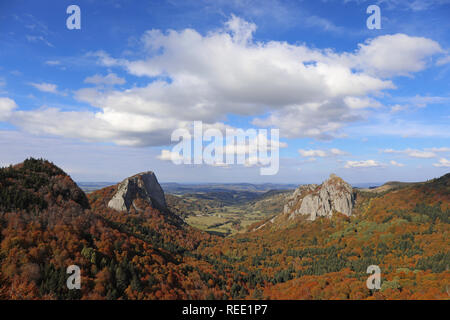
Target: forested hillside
x=47, y=223
x=404, y=232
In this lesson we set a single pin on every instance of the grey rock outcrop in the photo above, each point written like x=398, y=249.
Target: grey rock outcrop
x=334, y=195
x=142, y=186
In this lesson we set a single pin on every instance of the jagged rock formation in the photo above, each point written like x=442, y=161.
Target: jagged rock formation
x=334, y=195
x=143, y=186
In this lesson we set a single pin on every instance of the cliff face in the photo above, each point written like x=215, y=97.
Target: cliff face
x=143, y=186
x=334, y=195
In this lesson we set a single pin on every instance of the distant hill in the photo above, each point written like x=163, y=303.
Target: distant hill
x=178, y=188
x=390, y=186
x=88, y=187
x=182, y=188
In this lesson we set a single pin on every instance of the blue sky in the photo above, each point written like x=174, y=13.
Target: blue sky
x=101, y=102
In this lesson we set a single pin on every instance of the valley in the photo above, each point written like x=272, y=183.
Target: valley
x=227, y=212
x=221, y=209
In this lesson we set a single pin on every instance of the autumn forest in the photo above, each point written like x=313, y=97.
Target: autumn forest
x=48, y=223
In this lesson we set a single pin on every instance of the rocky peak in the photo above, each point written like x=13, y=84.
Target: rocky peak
x=143, y=186
x=333, y=195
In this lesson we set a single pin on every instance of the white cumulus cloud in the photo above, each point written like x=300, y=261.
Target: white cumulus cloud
x=110, y=79
x=413, y=153
x=303, y=91
x=393, y=55
x=443, y=162
x=321, y=153
x=45, y=87
x=396, y=164
x=7, y=107
x=168, y=155
x=363, y=164
x=312, y=153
